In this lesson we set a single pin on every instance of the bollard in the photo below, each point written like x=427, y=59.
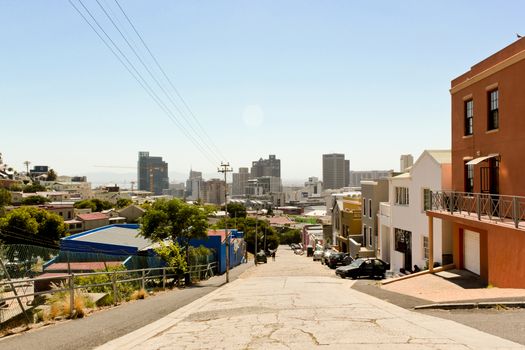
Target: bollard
x=143, y=280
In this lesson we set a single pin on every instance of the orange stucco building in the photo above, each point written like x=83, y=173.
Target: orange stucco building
x=484, y=203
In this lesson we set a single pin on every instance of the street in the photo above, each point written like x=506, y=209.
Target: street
x=299, y=304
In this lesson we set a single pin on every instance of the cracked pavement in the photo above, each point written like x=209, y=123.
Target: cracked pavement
x=295, y=303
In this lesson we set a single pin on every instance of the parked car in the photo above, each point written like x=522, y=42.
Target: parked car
x=369, y=267
x=326, y=255
x=261, y=257
x=318, y=254
x=339, y=259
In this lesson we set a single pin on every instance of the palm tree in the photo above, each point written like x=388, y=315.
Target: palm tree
x=26, y=163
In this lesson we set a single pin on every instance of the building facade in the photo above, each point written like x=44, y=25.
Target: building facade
x=404, y=236
x=367, y=175
x=152, y=173
x=405, y=162
x=336, y=171
x=215, y=191
x=372, y=193
x=266, y=167
x=240, y=182
x=485, y=206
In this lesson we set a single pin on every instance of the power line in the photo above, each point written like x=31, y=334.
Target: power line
x=132, y=70
x=168, y=79
x=168, y=95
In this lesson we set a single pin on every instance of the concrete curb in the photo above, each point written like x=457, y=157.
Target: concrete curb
x=474, y=305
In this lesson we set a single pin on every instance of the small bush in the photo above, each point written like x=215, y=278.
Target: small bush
x=60, y=304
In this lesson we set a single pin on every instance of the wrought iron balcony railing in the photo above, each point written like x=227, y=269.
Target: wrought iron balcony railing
x=483, y=206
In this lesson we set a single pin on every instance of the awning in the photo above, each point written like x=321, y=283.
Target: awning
x=482, y=159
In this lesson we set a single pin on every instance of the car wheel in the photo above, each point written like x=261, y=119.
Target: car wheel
x=342, y=276
x=354, y=277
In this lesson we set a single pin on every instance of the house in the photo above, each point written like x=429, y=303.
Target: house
x=485, y=206
x=404, y=232
x=87, y=221
x=132, y=213
x=346, y=225
x=373, y=193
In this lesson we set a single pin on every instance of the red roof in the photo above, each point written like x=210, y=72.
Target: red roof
x=92, y=216
x=83, y=266
x=219, y=232
x=280, y=220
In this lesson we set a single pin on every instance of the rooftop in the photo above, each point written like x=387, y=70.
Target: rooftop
x=92, y=216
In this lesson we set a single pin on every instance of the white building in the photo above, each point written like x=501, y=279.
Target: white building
x=403, y=224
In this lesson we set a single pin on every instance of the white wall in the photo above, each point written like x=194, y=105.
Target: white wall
x=426, y=173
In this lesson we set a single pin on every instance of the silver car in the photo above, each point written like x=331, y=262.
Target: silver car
x=318, y=254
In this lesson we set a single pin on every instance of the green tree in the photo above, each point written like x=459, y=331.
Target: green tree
x=290, y=236
x=236, y=210
x=35, y=200
x=5, y=197
x=34, y=187
x=27, y=221
x=175, y=220
x=123, y=202
x=173, y=255
x=51, y=175
x=94, y=204
x=247, y=226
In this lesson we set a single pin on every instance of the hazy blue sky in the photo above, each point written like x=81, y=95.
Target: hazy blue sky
x=293, y=78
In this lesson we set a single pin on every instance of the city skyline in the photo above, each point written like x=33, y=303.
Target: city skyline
x=315, y=71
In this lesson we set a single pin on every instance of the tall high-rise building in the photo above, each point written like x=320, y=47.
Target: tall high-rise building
x=152, y=173
x=336, y=171
x=266, y=167
x=240, y=181
x=405, y=162
x=195, y=186
x=215, y=191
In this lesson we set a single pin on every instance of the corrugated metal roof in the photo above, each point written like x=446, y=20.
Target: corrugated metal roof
x=115, y=235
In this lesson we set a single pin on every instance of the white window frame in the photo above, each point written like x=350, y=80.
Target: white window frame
x=426, y=249
x=401, y=195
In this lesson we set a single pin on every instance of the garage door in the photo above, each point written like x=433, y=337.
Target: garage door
x=471, y=251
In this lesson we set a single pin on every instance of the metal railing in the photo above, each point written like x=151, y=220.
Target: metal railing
x=22, y=290
x=484, y=206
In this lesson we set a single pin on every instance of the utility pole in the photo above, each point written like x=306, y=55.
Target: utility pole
x=225, y=169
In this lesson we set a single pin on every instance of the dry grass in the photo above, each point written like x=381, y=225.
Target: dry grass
x=60, y=304
x=139, y=294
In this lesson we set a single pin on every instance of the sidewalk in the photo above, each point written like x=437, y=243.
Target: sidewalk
x=452, y=286
x=273, y=307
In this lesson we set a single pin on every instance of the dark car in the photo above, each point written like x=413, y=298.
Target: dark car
x=261, y=257
x=364, y=267
x=339, y=259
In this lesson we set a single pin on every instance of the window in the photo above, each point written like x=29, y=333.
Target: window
x=425, y=248
x=364, y=235
x=469, y=178
x=402, y=195
x=493, y=122
x=402, y=240
x=469, y=117
x=364, y=206
x=427, y=199
x=369, y=208
x=370, y=236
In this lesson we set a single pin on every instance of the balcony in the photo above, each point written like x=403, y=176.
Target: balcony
x=384, y=209
x=498, y=209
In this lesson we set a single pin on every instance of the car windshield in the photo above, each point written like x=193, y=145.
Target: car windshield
x=356, y=263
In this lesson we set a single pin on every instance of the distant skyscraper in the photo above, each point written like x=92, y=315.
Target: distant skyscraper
x=266, y=167
x=367, y=175
x=152, y=173
x=195, y=186
x=336, y=171
x=215, y=189
x=240, y=181
x=405, y=162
